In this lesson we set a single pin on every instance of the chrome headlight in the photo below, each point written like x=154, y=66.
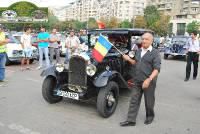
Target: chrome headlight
x=91, y=70
x=60, y=67
x=131, y=54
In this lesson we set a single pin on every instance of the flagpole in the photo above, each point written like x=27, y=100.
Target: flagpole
x=113, y=45
x=117, y=49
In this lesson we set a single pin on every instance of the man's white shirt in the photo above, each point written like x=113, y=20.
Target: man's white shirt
x=26, y=41
x=72, y=41
x=193, y=46
x=144, y=51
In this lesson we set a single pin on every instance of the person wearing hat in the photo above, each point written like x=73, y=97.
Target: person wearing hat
x=72, y=44
x=3, y=42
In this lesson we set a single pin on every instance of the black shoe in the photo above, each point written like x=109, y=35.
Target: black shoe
x=148, y=121
x=194, y=78
x=186, y=79
x=127, y=123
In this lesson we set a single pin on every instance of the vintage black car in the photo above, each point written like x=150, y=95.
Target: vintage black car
x=84, y=78
x=177, y=47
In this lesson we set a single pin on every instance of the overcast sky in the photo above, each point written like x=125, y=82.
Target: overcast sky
x=40, y=3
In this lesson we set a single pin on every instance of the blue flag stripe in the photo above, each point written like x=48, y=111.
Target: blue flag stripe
x=104, y=42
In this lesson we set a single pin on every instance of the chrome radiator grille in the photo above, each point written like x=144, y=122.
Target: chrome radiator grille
x=77, y=71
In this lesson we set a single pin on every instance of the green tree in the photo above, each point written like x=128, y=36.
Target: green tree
x=140, y=22
x=78, y=25
x=113, y=23
x=52, y=21
x=92, y=23
x=126, y=24
x=162, y=25
x=151, y=15
x=193, y=26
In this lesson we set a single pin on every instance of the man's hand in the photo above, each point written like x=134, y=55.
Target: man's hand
x=126, y=57
x=4, y=42
x=67, y=46
x=7, y=40
x=146, y=83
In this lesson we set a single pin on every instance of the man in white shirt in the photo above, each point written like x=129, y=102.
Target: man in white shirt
x=193, y=48
x=26, y=46
x=72, y=44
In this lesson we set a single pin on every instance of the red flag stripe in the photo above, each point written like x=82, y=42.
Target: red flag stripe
x=98, y=57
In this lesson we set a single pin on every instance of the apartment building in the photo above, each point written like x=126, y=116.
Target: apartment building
x=82, y=10
x=128, y=9
x=122, y=9
x=182, y=12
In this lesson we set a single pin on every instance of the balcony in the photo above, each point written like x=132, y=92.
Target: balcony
x=194, y=5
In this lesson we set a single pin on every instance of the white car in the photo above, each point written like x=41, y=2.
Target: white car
x=15, y=52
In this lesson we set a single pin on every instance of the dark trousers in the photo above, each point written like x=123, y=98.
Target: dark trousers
x=192, y=57
x=149, y=97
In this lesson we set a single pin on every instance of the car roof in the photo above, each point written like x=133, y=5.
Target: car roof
x=132, y=31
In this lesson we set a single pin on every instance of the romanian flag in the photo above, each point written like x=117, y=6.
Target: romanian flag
x=101, y=48
x=101, y=25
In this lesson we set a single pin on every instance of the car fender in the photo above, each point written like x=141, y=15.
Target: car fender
x=11, y=47
x=50, y=71
x=102, y=79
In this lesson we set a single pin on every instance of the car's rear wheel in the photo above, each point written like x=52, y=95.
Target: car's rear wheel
x=48, y=92
x=166, y=56
x=107, y=99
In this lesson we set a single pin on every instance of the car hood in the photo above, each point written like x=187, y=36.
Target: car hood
x=13, y=46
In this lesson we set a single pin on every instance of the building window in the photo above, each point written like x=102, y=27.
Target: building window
x=181, y=28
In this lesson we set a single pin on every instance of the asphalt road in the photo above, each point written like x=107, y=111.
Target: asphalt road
x=24, y=111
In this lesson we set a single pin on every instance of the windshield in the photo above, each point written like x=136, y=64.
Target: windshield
x=179, y=40
x=12, y=39
x=119, y=40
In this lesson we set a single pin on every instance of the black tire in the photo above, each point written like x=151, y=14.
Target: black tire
x=165, y=56
x=103, y=107
x=31, y=61
x=8, y=62
x=48, y=87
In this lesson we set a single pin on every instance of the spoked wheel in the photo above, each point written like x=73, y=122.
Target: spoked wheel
x=107, y=99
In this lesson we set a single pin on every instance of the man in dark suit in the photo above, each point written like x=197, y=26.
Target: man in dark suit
x=147, y=67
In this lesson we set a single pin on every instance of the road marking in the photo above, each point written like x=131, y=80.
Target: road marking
x=33, y=80
x=3, y=85
x=21, y=129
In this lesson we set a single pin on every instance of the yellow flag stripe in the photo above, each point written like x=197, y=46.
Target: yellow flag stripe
x=102, y=50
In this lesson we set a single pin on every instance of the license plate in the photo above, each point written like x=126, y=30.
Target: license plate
x=66, y=94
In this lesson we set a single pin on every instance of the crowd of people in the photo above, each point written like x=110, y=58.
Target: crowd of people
x=48, y=47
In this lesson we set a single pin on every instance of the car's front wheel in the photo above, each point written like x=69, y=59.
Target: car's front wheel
x=31, y=61
x=107, y=99
x=48, y=92
x=165, y=56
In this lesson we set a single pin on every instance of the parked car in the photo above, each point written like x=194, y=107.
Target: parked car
x=85, y=78
x=15, y=52
x=176, y=47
